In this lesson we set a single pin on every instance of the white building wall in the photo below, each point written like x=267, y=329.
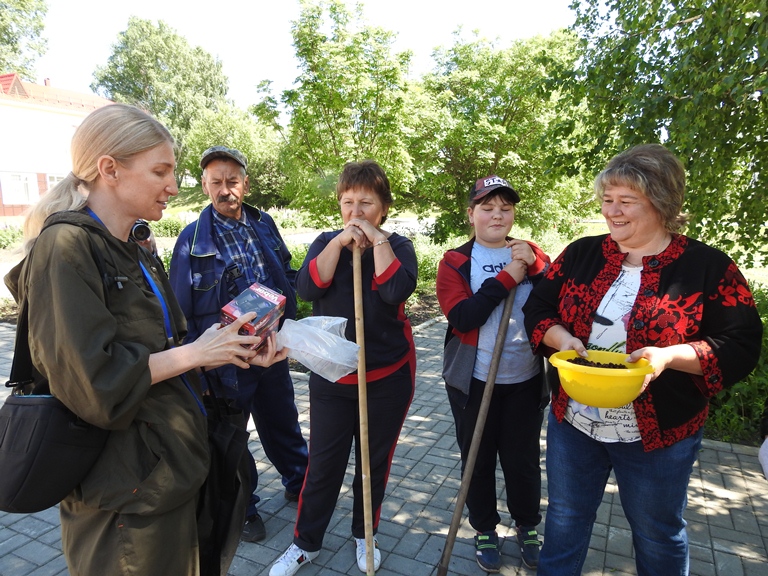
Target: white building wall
x=36, y=138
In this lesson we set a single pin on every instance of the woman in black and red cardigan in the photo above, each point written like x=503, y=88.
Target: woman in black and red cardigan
x=648, y=291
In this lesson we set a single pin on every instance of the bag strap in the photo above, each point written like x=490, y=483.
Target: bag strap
x=22, y=370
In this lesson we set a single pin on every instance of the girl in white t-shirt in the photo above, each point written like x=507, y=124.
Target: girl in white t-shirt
x=473, y=282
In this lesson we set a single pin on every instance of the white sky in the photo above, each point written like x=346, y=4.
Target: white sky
x=252, y=38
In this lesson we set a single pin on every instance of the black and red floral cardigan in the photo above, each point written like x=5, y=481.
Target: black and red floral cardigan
x=689, y=293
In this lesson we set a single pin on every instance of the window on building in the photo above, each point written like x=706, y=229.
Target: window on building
x=54, y=179
x=19, y=188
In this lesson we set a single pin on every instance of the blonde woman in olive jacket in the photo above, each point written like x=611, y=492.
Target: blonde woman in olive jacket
x=108, y=350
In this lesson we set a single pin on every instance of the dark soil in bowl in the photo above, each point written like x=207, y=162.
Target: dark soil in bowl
x=593, y=364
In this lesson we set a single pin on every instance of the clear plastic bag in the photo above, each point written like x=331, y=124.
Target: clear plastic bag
x=318, y=342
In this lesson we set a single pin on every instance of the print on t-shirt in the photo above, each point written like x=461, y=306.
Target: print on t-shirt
x=609, y=332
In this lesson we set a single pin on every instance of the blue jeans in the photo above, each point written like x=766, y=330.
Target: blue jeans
x=653, y=490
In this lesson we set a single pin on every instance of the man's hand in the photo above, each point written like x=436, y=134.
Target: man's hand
x=269, y=354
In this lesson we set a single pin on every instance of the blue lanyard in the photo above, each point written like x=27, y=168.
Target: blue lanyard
x=166, y=316
x=156, y=290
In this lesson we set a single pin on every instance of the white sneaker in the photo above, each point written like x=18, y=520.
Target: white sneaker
x=291, y=560
x=362, y=563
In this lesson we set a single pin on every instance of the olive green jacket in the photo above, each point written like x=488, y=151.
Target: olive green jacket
x=92, y=343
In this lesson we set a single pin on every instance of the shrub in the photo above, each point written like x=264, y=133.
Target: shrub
x=164, y=255
x=428, y=255
x=168, y=227
x=735, y=413
x=10, y=236
x=298, y=253
x=291, y=219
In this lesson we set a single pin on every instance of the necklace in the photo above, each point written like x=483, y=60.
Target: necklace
x=665, y=241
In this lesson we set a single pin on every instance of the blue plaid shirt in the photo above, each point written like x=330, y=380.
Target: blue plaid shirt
x=240, y=246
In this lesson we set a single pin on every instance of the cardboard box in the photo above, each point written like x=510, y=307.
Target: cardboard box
x=268, y=305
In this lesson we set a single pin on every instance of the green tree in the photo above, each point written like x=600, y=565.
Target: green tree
x=691, y=74
x=347, y=106
x=21, y=23
x=229, y=126
x=154, y=68
x=488, y=111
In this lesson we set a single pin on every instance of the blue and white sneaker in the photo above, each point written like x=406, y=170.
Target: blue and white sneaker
x=528, y=539
x=488, y=555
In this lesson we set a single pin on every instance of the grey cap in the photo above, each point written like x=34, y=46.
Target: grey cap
x=223, y=152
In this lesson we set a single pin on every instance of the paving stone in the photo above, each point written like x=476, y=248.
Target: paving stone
x=727, y=510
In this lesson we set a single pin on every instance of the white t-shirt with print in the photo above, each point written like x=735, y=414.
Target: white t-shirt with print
x=609, y=332
x=517, y=363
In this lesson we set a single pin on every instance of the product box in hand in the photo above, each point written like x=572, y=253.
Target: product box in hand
x=268, y=305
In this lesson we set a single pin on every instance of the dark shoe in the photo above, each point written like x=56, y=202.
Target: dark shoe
x=254, y=529
x=488, y=555
x=290, y=496
x=529, y=542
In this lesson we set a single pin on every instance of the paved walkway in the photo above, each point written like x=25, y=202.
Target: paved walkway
x=727, y=510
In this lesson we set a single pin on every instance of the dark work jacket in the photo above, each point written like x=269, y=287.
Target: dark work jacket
x=203, y=286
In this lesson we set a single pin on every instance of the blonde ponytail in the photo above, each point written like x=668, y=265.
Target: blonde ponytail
x=118, y=130
x=65, y=195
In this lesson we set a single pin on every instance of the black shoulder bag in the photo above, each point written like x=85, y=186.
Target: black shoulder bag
x=45, y=449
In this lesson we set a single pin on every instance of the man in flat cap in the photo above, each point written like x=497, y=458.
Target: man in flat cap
x=231, y=246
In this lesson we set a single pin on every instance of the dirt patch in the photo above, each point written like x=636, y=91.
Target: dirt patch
x=425, y=309
x=9, y=311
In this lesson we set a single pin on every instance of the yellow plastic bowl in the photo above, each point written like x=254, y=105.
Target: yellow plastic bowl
x=601, y=387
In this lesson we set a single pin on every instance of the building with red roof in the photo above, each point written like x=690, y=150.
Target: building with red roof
x=36, y=127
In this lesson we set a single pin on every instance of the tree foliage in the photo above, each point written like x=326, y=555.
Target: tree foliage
x=229, y=126
x=347, y=104
x=156, y=69
x=21, y=23
x=691, y=74
x=484, y=111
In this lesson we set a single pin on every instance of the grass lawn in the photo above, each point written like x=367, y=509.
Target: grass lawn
x=188, y=200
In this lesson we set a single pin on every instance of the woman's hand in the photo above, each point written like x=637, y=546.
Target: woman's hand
x=559, y=338
x=356, y=232
x=360, y=233
x=215, y=347
x=680, y=357
x=220, y=345
x=269, y=354
x=659, y=358
x=363, y=233
x=348, y=237
x=573, y=343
